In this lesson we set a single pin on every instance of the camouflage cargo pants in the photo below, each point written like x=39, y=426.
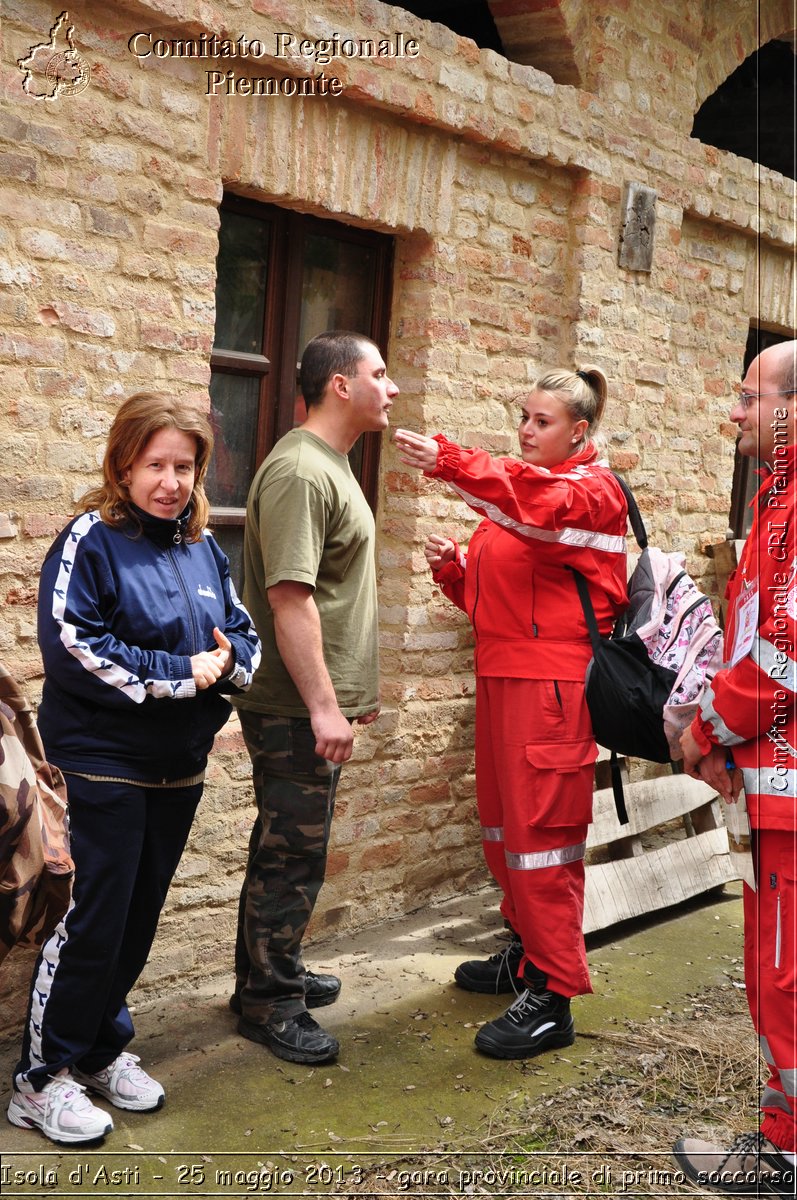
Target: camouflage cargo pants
x=295, y=795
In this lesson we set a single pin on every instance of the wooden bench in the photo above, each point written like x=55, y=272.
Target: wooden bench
x=675, y=846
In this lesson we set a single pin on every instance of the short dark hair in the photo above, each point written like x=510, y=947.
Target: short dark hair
x=336, y=352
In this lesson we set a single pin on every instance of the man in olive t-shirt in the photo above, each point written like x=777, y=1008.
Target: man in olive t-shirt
x=310, y=586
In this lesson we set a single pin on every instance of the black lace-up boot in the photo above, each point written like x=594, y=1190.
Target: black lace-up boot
x=297, y=1039
x=537, y=1020
x=495, y=974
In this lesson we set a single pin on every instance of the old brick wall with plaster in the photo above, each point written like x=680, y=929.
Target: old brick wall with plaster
x=503, y=191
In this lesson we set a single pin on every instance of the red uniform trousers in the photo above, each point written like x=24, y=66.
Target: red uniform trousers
x=534, y=780
x=770, y=964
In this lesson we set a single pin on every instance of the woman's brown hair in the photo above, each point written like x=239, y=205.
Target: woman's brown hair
x=139, y=417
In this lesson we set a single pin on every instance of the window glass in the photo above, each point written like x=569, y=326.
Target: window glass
x=234, y=402
x=282, y=278
x=752, y=112
x=242, y=272
x=337, y=286
x=471, y=19
x=231, y=540
x=356, y=457
x=746, y=482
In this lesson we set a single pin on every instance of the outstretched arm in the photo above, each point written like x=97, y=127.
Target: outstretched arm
x=517, y=495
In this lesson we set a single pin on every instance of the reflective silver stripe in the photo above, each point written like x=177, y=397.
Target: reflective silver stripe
x=709, y=714
x=771, y=1098
x=765, y=1050
x=588, y=538
x=777, y=664
x=770, y=781
x=778, y=936
x=545, y=858
x=492, y=833
x=779, y=740
x=788, y=1077
x=114, y=674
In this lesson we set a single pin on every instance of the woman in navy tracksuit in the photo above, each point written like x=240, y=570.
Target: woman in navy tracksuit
x=141, y=632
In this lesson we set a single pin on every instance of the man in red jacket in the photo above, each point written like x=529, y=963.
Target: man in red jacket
x=746, y=733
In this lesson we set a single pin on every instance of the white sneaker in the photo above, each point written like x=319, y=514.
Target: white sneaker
x=61, y=1110
x=125, y=1084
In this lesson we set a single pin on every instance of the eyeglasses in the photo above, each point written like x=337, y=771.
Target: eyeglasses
x=746, y=398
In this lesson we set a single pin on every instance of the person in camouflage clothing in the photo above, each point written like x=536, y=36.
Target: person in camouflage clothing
x=310, y=585
x=36, y=869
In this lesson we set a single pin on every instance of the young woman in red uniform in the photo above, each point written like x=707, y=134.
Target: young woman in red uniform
x=556, y=508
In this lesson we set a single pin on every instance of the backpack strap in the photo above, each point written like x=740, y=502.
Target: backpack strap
x=617, y=789
x=595, y=638
x=634, y=515
x=641, y=535
x=589, y=611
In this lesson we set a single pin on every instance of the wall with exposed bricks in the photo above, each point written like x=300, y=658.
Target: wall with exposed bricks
x=502, y=189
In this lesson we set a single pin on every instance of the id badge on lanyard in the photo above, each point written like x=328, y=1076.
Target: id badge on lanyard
x=745, y=621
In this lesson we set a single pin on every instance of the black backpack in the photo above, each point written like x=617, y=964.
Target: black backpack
x=640, y=691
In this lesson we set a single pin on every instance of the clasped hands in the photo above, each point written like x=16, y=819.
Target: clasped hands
x=714, y=768
x=209, y=666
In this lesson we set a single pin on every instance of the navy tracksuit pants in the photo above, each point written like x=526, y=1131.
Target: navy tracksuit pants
x=127, y=840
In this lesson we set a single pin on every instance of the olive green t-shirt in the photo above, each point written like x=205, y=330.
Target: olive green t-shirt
x=307, y=520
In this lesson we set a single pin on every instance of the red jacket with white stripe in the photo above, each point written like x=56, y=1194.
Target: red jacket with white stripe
x=514, y=582
x=751, y=707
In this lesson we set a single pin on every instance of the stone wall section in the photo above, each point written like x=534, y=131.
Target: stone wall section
x=731, y=30
x=502, y=191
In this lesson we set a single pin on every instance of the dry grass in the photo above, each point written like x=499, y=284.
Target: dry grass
x=693, y=1072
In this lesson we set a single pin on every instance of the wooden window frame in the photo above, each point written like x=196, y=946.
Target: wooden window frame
x=277, y=371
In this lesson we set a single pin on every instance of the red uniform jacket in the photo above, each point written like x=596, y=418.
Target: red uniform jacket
x=514, y=582
x=752, y=706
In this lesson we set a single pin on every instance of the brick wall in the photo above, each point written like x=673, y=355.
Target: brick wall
x=502, y=191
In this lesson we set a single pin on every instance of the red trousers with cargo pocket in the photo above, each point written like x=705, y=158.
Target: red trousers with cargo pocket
x=535, y=754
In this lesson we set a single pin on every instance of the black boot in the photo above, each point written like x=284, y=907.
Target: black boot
x=495, y=974
x=538, y=1020
x=297, y=1039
